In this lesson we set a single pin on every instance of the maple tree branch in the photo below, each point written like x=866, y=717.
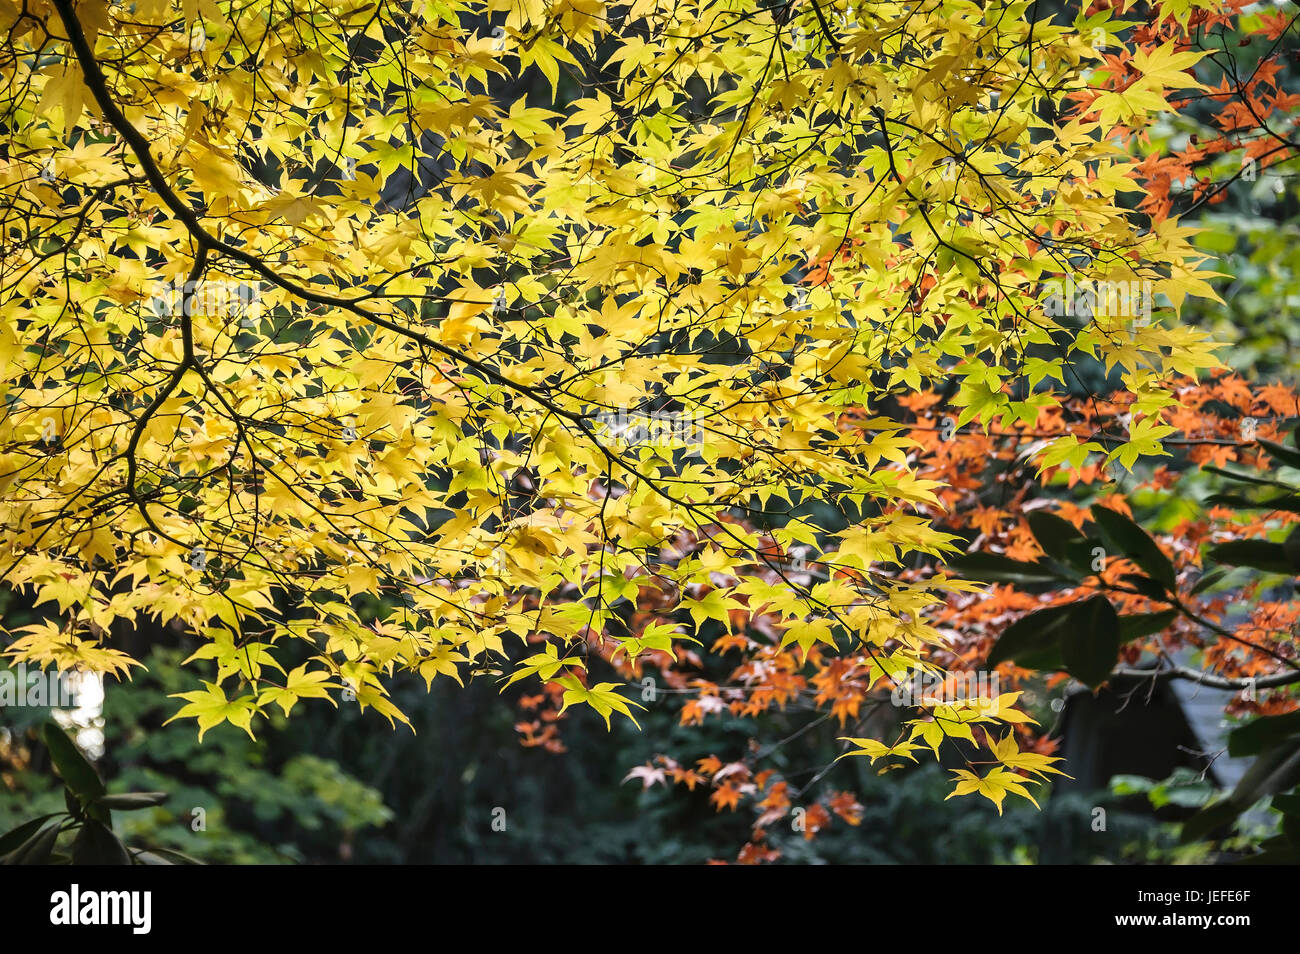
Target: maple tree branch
x=97, y=83
x=187, y=363
x=1227, y=634
x=1179, y=606
x=1210, y=679
x=826, y=27
x=1097, y=436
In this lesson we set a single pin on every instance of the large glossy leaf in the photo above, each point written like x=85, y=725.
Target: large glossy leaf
x=1146, y=586
x=95, y=844
x=1053, y=533
x=36, y=849
x=1291, y=547
x=1288, y=502
x=77, y=773
x=1131, y=541
x=1258, y=554
x=1263, y=733
x=1138, y=625
x=132, y=801
x=1033, y=641
x=996, y=568
x=1276, y=770
x=1209, y=819
x=1246, y=478
x=1288, y=805
x=1081, y=554
x=1208, y=580
x=17, y=836
x=1286, y=455
x=1090, y=640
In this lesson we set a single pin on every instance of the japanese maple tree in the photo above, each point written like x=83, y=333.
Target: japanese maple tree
x=307, y=301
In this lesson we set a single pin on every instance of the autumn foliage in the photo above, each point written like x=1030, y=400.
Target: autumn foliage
x=711, y=365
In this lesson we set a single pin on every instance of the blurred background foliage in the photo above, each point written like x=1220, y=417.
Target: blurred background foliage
x=1251, y=229
x=337, y=786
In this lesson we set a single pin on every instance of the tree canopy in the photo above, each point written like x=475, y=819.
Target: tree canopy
x=308, y=302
